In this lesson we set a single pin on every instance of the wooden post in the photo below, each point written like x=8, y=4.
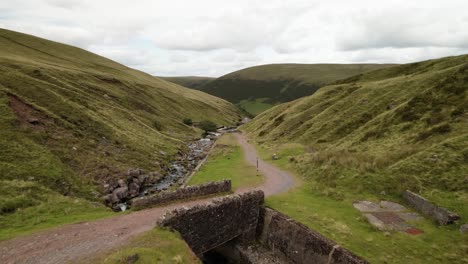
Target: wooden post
x=257, y=164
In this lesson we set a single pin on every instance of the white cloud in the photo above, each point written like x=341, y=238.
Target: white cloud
x=209, y=37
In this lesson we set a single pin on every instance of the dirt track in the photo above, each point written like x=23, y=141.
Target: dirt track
x=73, y=242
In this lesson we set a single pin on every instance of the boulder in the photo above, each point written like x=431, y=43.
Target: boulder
x=132, y=173
x=439, y=214
x=464, y=229
x=133, y=190
x=142, y=179
x=154, y=177
x=108, y=199
x=122, y=183
x=33, y=121
x=119, y=194
x=135, y=172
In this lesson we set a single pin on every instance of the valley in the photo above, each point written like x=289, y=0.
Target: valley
x=89, y=240
x=259, y=88
x=83, y=137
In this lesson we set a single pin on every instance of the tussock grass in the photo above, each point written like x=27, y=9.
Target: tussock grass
x=370, y=137
x=71, y=120
x=406, y=125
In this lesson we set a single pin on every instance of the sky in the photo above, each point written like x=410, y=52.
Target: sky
x=213, y=38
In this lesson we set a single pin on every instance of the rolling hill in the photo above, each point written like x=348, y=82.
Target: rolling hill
x=370, y=137
x=71, y=121
x=193, y=82
x=258, y=88
x=402, y=127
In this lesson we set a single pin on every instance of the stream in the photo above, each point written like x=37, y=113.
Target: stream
x=177, y=173
x=183, y=166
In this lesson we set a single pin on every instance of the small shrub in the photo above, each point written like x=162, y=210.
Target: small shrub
x=377, y=133
x=208, y=126
x=458, y=112
x=278, y=120
x=434, y=118
x=440, y=129
x=157, y=125
x=188, y=121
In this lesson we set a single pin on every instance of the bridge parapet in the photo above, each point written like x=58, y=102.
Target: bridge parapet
x=206, y=227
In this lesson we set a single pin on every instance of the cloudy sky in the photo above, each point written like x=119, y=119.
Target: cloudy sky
x=211, y=38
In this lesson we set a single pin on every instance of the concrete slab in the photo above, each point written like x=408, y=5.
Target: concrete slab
x=391, y=206
x=389, y=216
x=367, y=206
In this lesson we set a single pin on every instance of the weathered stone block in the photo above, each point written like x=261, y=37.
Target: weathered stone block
x=299, y=244
x=209, y=226
x=439, y=214
x=182, y=194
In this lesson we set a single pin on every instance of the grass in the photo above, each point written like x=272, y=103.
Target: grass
x=338, y=220
x=330, y=212
x=372, y=136
x=71, y=121
x=405, y=131
x=156, y=246
x=193, y=82
x=256, y=106
x=226, y=161
x=28, y=207
x=259, y=88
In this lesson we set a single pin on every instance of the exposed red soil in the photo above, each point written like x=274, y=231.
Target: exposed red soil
x=414, y=231
x=388, y=217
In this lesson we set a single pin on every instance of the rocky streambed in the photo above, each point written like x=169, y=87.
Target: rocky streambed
x=138, y=182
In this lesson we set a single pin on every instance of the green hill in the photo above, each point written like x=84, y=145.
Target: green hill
x=193, y=82
x=402, y=127
x=71, y=120
x=258, y=88
x=370, y=137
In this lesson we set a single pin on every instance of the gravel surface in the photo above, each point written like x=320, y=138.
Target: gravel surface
x=78, y=242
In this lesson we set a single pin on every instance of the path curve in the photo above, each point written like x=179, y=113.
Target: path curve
x=72, y=242
x=276, y=180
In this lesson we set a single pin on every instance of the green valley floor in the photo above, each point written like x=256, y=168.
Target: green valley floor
x=121, y=237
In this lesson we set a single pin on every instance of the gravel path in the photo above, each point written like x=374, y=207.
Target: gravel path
x=75, y=242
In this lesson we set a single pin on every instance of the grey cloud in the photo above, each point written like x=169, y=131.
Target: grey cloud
x=212, y=37
x=408, y=29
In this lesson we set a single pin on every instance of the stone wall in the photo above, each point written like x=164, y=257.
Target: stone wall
x=299, y=244
x=209, y=226
x=182, y=194
x=439, y=214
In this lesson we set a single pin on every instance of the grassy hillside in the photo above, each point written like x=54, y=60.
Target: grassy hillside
x=71, y=120
x=369, y=138
x=258, y=88
x=390, y=129
x=193, y=82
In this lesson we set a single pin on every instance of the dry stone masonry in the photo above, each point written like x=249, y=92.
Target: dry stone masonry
x=182, y=194
x=238, y=221
x=439, y=214
x=209, y=226
x=299, y=244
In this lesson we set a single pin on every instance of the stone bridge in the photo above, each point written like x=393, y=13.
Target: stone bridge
x=253, y=233
x=209, y=226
